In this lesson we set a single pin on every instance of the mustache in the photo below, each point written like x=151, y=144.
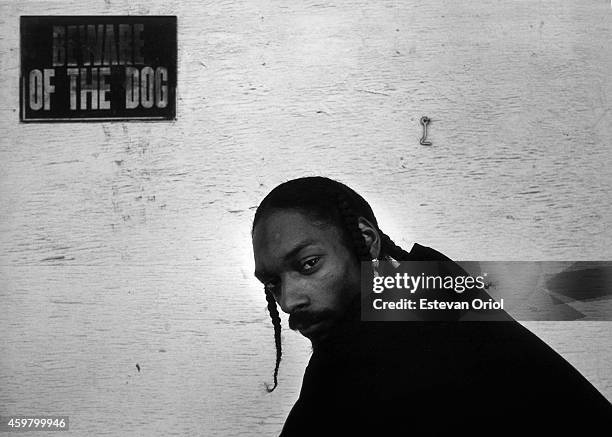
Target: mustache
x=302, y=319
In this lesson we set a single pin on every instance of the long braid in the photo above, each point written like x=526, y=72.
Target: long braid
x=276, y=322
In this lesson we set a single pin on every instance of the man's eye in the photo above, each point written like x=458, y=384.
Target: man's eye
x=310, y=263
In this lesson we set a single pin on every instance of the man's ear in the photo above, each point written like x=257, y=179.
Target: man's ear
x=371, y=236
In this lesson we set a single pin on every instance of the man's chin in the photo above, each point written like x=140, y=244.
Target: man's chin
x=316, y=331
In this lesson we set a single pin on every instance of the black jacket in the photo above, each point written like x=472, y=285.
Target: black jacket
x=443, y=378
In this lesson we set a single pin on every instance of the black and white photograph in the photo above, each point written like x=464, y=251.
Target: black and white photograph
x=318, y=218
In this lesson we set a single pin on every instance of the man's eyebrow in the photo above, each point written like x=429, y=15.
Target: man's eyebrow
x=301, y=245
x=262, y=275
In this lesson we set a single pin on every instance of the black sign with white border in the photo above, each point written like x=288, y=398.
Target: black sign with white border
x=98, y=68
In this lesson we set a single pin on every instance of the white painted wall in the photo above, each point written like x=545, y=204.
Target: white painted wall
x=125, y=243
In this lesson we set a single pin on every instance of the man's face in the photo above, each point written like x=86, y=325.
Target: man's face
x=308, y=269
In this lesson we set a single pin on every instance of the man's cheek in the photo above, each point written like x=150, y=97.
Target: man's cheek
x=341, y=287
x=324, y=288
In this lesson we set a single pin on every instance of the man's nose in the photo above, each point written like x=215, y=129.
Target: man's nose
x=292, y=296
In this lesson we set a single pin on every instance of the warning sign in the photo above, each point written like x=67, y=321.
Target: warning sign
x=98, y=68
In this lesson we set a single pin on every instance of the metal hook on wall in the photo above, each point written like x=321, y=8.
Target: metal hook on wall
x=425, y=121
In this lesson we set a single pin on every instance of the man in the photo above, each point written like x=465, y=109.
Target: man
x=310, y=237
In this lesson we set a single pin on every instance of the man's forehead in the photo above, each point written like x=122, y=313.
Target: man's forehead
x=286, y=230
x=281, y=232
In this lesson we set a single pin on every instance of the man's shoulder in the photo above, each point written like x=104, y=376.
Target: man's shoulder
x=424, y=253
x=445, y=265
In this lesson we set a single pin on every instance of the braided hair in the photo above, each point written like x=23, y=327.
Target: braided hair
x=332, y=202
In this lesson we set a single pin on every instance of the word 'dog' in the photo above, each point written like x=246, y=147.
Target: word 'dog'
x=146, y=87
